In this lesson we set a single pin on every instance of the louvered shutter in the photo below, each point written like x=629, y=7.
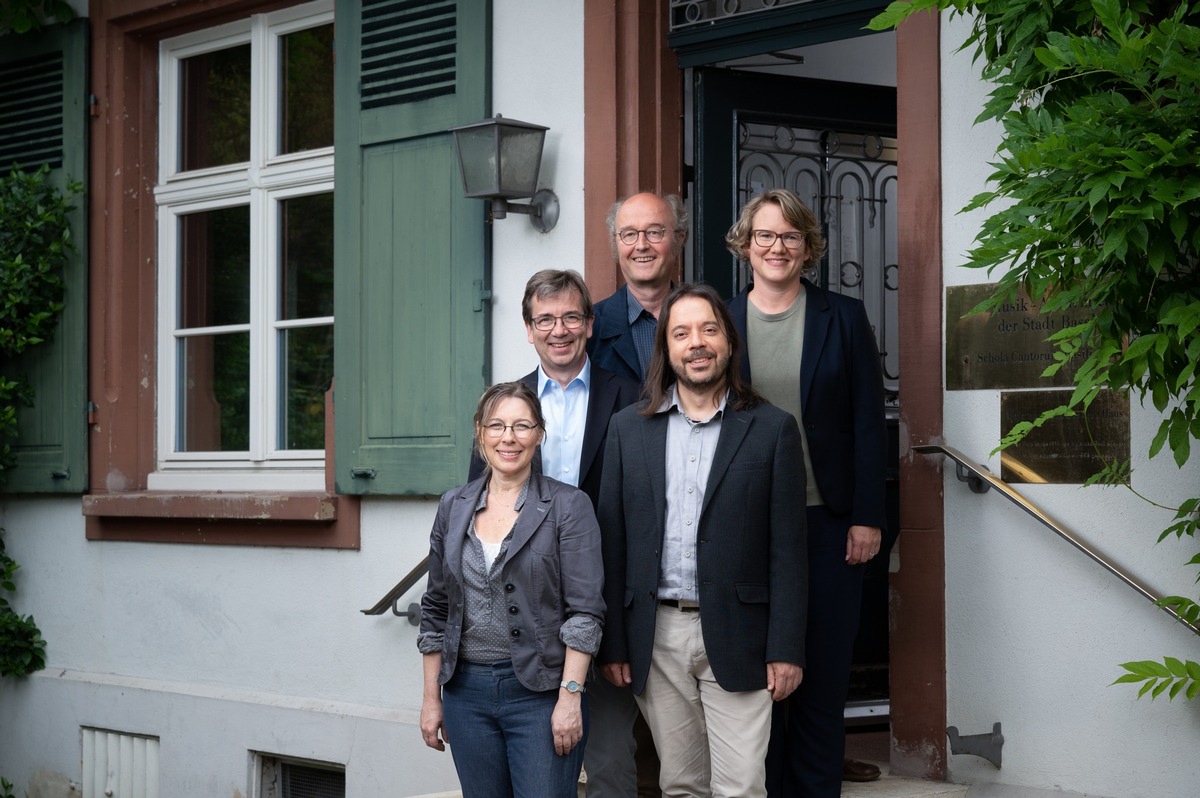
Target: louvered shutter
x=43, y=119
x=411, y=330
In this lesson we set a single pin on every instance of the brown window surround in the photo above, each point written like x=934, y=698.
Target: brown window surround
x=122, y=299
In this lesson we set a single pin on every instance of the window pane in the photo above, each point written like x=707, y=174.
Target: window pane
x=214, y=93
x=214, y=393
x=306, y=107
x=306, y=363
x=306, y=241
x=214, y=270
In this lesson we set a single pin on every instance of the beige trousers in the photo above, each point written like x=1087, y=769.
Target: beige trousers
x=711, y=743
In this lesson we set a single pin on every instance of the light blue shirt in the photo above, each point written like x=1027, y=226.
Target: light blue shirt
x=565, y=411
x=691, y=444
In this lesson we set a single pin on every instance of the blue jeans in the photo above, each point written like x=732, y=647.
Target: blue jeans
x=499, y=733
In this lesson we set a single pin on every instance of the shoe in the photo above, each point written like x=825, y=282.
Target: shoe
x=853, y=770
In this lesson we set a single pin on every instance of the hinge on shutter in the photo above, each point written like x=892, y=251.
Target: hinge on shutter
x=60, y=473
x=91, y=413
x=362, y=472
x=481, y=295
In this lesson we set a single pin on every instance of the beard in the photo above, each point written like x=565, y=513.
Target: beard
x=715, y=377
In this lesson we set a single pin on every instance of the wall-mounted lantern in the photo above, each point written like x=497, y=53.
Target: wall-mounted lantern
x=500, y=159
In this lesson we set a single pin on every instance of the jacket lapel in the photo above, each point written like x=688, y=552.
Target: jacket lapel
x=734, y=428
x=615, y=324
x=817, y=320
x=601, y=401
x=533, y=512
x=456, y=529
x=654, y=454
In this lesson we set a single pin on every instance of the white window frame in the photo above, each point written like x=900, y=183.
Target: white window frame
x=260, y=184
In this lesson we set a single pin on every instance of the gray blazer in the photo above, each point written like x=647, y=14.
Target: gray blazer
x=551, y=571
x=751, y=545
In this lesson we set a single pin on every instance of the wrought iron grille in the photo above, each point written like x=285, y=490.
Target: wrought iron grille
x=687, y=14
x=849, y=180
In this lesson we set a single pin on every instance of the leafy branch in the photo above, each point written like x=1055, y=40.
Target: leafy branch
x=1095, y=203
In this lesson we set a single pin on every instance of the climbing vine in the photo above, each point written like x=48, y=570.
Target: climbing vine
x=1095, y=200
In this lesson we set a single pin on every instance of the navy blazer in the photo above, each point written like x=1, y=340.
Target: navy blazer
x=552, y=570
x=751, y=544
x=607, y=394
x=841, y=399
x=611, y=346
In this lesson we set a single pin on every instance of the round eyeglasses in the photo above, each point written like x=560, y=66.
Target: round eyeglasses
x=521, y=429
x=654, y=235
x=766, y=238
x=572, y=321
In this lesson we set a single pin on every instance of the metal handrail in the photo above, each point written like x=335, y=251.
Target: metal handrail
x=391, y=599
x=980, y=479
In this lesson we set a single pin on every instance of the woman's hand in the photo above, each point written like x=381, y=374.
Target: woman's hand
x=566, y=722
x=433, y=729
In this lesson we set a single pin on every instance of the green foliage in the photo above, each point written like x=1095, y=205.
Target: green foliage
x=6, y=789
x=22, y=649
x=1095, y=202
x=35, y=242
x=1171, y=676
x=23, y=16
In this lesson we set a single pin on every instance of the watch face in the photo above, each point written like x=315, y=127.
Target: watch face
x=573, y=687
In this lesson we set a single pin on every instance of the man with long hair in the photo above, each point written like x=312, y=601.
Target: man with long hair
x=703, y=535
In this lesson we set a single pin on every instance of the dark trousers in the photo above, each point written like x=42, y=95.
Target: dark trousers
x=808, y=735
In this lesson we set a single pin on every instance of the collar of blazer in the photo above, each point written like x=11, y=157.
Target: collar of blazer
x=537, y=504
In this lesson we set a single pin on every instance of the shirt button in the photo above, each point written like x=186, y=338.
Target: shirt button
x=687, y=523
x=692, y=459
x=687, y=555
x=691, y=490
x=512, y=610
x=510, y=587
x=515, y=632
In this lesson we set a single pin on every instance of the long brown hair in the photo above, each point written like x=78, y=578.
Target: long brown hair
x=660, y=376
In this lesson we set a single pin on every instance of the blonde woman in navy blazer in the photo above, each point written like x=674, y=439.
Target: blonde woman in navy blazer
x=512, y=614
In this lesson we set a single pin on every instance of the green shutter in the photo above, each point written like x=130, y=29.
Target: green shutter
x=43, y=119
x=411, y=333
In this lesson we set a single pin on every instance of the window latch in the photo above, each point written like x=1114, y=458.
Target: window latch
x=481, y=295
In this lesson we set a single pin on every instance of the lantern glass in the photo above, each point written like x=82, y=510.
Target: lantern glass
x=500, y=157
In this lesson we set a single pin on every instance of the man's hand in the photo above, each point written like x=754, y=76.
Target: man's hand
x=862, y=543
x=618, y=673
x=782, y=679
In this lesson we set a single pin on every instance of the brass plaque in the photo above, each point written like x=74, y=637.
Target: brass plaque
x=1066, y=450
x=1005, y=348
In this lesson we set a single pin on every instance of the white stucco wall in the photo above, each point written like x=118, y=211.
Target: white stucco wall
x=1035, y=631
x=221, y=651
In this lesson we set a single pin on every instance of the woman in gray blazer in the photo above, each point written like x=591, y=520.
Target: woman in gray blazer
x=512, y=614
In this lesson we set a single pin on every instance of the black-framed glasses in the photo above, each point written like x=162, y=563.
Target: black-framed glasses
x=766, y=238
x=521, y=429
x=572, y=321
x=654, y=235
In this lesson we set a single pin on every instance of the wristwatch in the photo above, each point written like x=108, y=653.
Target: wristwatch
x=573, y=687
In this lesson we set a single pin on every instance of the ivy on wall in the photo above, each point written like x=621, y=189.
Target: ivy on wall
x=35, y=241
x=1096, y=203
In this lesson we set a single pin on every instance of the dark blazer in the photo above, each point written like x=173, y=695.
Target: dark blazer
x=751, y=548
x=611, y=346
x=608, y=394
x=552, y=571
x=841, y=397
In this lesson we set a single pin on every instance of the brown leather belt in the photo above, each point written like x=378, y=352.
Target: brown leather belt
x=681, y=604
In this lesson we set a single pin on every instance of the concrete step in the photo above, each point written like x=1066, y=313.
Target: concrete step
x=889, y=786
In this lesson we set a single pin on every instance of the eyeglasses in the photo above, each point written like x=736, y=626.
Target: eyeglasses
x=572, y=321
x=654, y=235
x=521, y=429
x=766, y=238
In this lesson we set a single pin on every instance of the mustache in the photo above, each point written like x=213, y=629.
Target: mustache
x=700, y=353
